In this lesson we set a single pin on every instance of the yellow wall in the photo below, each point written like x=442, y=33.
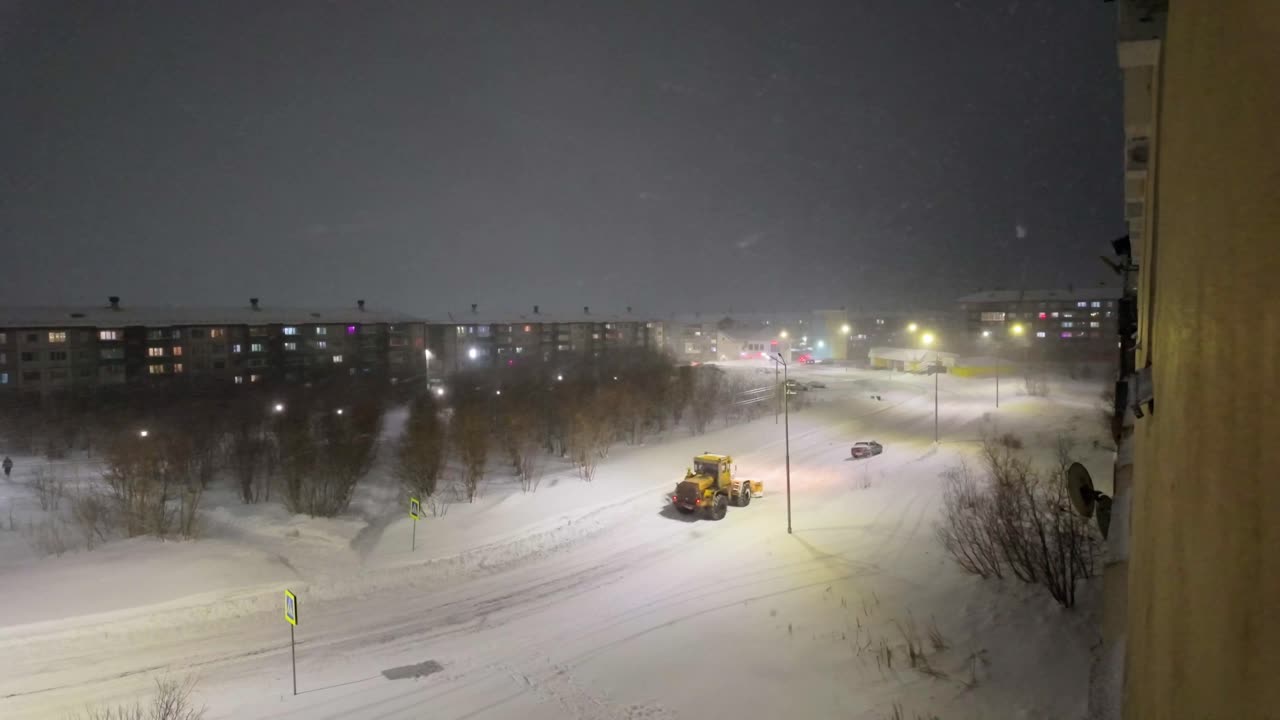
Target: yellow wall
x=1204, y=569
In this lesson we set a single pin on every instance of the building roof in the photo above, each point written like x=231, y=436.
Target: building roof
x=106, y=316
x=162, y=316
x=1083, y=293
x=504, y=316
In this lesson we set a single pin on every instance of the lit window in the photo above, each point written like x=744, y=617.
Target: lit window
x=155, y=352
x=1068, y=324
x=528, y=328
x=57, y=336
x=239, y=379
x=177, y=351
x=1066, y=334
x=4, y=338
x=1095, y=324
x=155, y=369
x=462, y=330
x=237, y=348
x=4, y=378
x=321, y=330
x=291, y=346
x=1095, y=303
x=254, y=378
x=351, y=329
x=217, y=332
x=290, y=330
x=322, y=344
x=1068, y=314
x=1082, y=303
x=255, y=347
x=177, y=368
x=337, y=358
x=993, y=317
x=698, y=333
x=1040, y=334
x=108, y=334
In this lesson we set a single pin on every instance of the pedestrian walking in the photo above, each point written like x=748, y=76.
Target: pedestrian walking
x=8, y=466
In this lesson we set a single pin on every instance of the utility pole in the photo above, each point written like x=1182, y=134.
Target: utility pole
x=786, y=430
x=937, y=369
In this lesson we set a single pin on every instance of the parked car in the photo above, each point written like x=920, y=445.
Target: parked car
x=865, y=449
x=795, y=385
x=814, y=384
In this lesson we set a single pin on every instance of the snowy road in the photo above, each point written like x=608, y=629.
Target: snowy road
x=622, y=608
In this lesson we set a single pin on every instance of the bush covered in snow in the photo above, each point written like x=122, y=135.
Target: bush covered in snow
x=1013, y=519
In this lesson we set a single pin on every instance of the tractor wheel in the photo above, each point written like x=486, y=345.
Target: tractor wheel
x=744, y=495
x=719, y=507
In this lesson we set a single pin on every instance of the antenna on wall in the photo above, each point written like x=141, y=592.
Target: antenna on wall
x=1085, y=499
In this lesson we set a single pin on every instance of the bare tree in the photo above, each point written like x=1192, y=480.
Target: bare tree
x=248, y=447
x=522, y=435
x=323, y=452
x=421, y=452
x=470, y=433
x=707, y=399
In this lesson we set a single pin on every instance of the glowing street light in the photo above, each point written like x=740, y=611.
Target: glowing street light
x=846, y=329
x=338, y=411
x=986, y=333
x=927, y=339
x=278, y=408
x=822, y=343
x=559, y=378
x=783, y=334
x=439, y=392
x=473, y=353
x=912, y=327
x=1017, y=329
x=143, y=433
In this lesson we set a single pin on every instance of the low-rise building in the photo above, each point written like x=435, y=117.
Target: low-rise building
x=1071, y=323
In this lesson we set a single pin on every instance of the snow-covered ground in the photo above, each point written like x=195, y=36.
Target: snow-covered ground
x=583, y=600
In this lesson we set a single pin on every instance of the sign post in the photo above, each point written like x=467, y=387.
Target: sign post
x=291, y=615
x=415, y=512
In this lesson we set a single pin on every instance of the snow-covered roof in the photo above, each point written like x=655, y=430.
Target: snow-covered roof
x=502, y=316
x=912, y=355
x=162, y=316
x=1084, y=293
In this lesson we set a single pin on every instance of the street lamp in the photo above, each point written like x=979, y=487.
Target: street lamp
x=426, y=355
x=278, y=408
x=440, y=392
x=986, y=333
x=786, y=427
x=143, y=433
x=338, y=411
x=927, y=339
x=783, y=334
x=912, y=327
x=845, y=329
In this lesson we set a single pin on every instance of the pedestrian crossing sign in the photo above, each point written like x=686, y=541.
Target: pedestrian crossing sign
x=415, y=508
x=291, y=607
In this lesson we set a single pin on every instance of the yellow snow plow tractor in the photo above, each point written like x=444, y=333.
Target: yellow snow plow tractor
x=710, y=486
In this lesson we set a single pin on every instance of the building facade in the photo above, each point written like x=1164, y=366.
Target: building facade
x=1190, y=623
x=51, y=349
x=1072, y=323
x=476, y=339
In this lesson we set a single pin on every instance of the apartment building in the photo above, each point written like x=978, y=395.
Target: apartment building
x=47, y=349
x=1071, y=323
x=478, y=339
x=1190, y=626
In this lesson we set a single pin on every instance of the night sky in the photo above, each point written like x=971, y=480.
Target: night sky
x=675, y=155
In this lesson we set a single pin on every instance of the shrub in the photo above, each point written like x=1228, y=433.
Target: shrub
x=172, y=701
x=1017, y=520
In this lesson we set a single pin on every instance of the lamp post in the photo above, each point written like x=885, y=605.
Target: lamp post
x=786, y=428
x=928, y=339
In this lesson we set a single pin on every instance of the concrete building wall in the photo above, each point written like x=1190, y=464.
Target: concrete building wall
x=1203, y=600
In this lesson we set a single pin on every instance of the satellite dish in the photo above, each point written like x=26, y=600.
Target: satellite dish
x=1080, y=487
